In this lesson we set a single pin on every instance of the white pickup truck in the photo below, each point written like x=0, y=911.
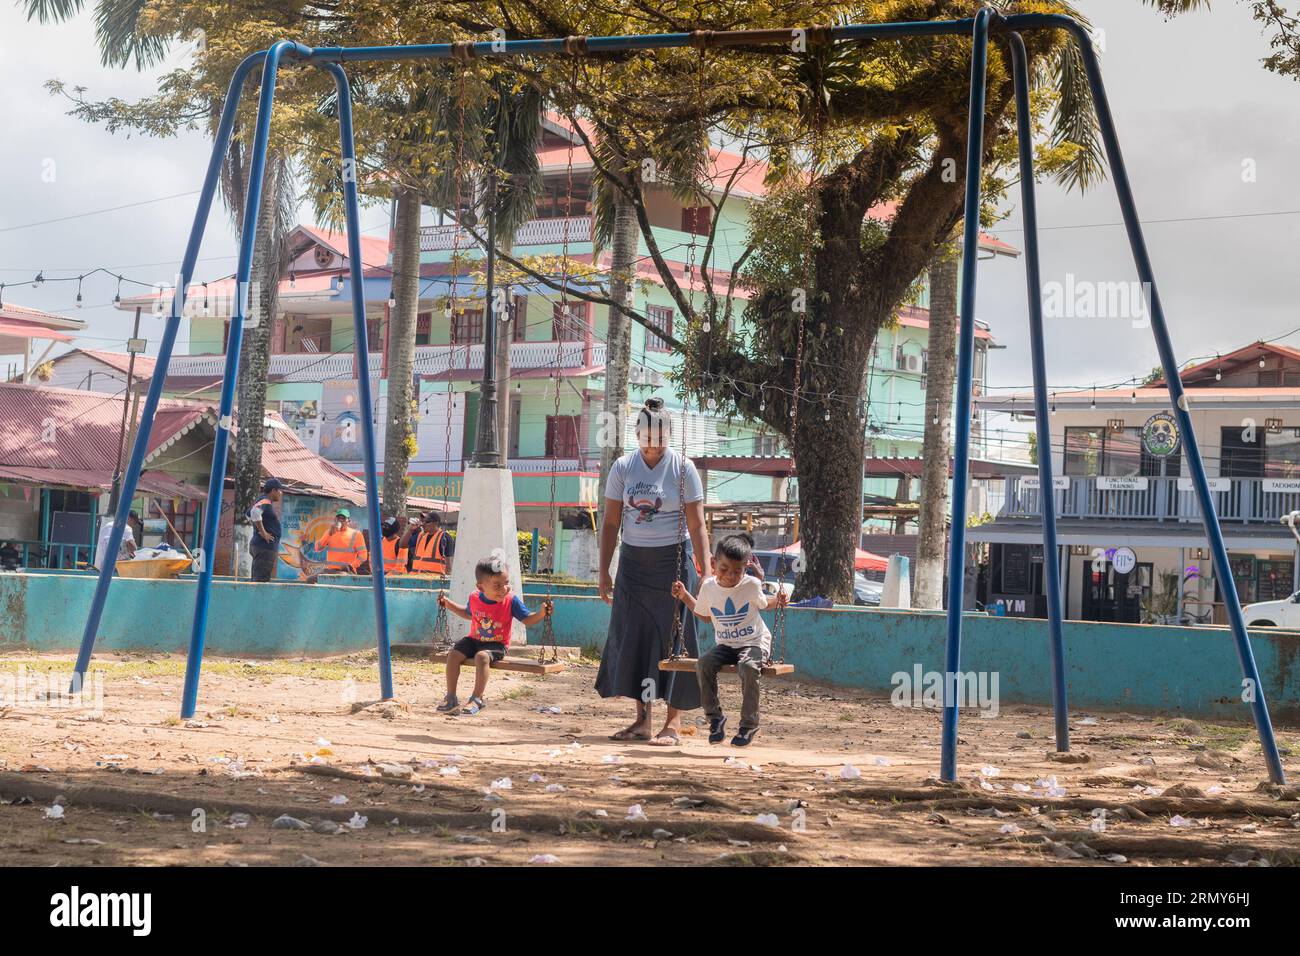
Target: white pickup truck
x=1274, y=613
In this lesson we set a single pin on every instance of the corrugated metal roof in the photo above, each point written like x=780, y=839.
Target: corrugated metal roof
x=73, y=429
x=119, y=361
x=83, y=430
x=48, y=319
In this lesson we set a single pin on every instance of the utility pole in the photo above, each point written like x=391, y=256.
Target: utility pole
x=487, y=444
x=133, y=347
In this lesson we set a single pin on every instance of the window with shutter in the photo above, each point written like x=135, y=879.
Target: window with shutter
x=562, y=436
x=519, y=318
x=661, y=318
x=467, y=327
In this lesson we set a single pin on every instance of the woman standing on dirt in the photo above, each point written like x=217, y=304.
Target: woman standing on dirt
x=645, y=497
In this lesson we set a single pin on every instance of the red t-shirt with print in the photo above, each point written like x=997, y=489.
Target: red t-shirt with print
x=491, y=620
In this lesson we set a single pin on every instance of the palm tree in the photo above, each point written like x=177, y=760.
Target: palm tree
x=513, y=118
x=510, y=123
x=122, y=42
x=937, y=443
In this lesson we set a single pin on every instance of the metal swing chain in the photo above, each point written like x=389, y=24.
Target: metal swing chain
x=441, y=624
x=679, y=618
x=548, y=643
x=780, y=613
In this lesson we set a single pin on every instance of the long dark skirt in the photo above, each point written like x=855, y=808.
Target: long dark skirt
x=641, y=628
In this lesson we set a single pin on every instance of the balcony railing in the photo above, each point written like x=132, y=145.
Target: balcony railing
x=429, y=360
x=436, y=359
x=1244, y=500
x=297, y=367
x=535, y=232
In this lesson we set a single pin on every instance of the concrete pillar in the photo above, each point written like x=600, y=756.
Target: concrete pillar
x=487, y=521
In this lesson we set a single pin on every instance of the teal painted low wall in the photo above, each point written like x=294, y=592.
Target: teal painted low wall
x=1109, y=666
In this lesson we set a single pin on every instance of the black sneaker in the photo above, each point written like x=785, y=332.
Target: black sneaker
x=717, y=730
x=745, y=737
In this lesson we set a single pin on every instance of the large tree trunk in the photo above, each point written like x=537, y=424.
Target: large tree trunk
x=936, y=449
x=270, y=261
x=403, y=318
x=618, y=348
x=828, y=456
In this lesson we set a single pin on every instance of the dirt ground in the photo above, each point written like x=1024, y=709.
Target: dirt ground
x=535, y=779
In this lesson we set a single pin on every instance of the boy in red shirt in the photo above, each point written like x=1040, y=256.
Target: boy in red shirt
x=491, y=610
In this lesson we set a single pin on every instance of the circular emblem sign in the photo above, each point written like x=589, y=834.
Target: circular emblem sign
x=1124, y=560
x=1160, y=436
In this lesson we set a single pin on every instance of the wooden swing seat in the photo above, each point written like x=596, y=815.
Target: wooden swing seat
x=687, y=664
x=521, y=665
x=525, y=665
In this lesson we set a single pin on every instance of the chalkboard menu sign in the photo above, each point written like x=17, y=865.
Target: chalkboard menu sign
x=1015, y=568
x=1274, y=580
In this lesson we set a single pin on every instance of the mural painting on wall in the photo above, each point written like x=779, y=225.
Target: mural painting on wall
x=340, y=434
x=304, y=520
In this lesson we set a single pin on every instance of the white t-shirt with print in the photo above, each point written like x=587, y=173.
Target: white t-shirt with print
x=736, y=621
x=651, y=497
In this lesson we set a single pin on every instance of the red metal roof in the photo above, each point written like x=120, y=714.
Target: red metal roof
x=918, y=318
x=22, y=329
x=1247, y=353
x=83, y=430
x=119, y=361
x=71, y=429
x=22, y=313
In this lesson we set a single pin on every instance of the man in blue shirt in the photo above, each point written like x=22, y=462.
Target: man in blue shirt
x=265, y=546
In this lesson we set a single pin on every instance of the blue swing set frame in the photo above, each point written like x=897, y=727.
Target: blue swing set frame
x=978, y=28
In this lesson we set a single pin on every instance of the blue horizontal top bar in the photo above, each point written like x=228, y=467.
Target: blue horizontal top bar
x=659, y=41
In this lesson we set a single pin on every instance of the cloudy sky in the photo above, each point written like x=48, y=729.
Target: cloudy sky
x=1190, y=98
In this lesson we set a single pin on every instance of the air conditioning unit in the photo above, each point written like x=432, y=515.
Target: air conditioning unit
x=640, y=375
x=911, y=363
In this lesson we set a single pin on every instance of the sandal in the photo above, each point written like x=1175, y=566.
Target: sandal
x=450, y=705
x=473, y=707
x=666, y=738
x=628, y=733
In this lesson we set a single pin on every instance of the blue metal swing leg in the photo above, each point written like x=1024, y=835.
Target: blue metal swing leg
x=965, y=382
x=225, y=410
x=270, y=61
x=1253, y=689
x=356, y=267
x=1046, y=492
x=135, y=464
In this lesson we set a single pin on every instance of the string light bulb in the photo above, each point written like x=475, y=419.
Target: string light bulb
x=40, y=278
x=293, y=279
x=79, y=278
x=117, y=296
x=206, y=311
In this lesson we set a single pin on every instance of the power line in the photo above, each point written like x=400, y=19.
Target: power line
x=98, y=212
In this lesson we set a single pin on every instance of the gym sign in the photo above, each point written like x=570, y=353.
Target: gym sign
x=1160, y=436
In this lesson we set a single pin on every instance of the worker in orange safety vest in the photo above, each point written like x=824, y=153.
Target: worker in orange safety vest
x=344, y=546
x=431, y=548
x=396, y=554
